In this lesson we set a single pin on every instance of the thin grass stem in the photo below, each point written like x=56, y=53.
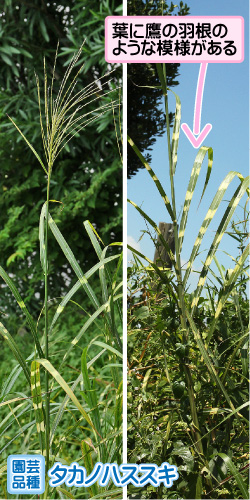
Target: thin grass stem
x=47, y=394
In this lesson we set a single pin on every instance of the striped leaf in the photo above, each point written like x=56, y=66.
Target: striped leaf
x=86, y=325
x=77, y=286
x=105, y=277
x=65, y=401
x=191, y=187
x=60, y=380
x=208, y=219
x=73, y=262
x=176, y=131
x=155, y=179
x=37, y=403
x=228, y=288
x=240, y=191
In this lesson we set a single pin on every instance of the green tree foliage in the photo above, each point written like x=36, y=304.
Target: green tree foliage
x=146, y=120
x=87, y=175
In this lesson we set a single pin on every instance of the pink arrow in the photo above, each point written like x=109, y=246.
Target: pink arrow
x=201, y=135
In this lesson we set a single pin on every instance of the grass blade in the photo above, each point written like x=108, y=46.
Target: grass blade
x=240, y=191
x=23, y=307
x=209, y=363
x=208, y=219
x=237, y=476
x=30, y=146
x=64, y=403
x=74, y=264
x=228, y=288
x=16, y=351
x=155, y=179
x=84, y=328
x=56, y=375
x=37, y=403
x=176, y=131
x=88, y=463
x=154, y=225
x=162, y=275
x=108, y=348
x=191, y=187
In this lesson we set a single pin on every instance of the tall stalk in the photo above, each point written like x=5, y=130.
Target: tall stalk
x=180, y=288
x=46, y=332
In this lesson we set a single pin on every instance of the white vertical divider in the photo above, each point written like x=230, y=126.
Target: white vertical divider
x=125, y=260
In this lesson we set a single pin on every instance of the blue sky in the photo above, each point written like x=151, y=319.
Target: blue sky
x=226, y=107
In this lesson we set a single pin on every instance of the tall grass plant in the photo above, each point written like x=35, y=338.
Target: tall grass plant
x=91, y=402
x=188, y=334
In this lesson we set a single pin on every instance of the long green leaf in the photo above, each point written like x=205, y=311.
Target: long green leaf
x=237, y=476
x=176, y=131
x=65, y=401
x=23, y=307
x=162, y=78
x=30, y=146
x=37, y=403
x=240, y=191
x=16, y=351
x=228, y=287
x=231, y=358
x=191, y=187
x=84, y=328
x=104, y=273
x=108, y=348
x=88, y=463
x=208, y=218
x=209, y=363
x=77, y=286
x=90, y=396
x=73, y=262
x=60, y=380
x=154, y=177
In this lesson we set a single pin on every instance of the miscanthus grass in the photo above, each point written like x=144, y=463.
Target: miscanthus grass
x=185, y=307
x=62, y=117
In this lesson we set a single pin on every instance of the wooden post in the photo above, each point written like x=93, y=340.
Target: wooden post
x=161, y=257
